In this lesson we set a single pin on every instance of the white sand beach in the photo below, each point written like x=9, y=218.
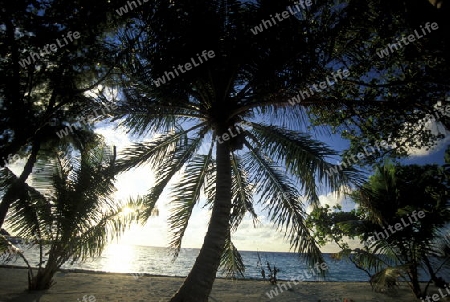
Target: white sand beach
x=112, y=287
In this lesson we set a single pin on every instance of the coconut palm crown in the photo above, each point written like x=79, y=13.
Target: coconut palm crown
x=226, y=124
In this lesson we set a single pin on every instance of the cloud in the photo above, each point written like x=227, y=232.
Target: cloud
x=431, y=124
x=333, y=199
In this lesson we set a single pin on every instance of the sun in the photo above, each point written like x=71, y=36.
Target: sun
x=127, y=211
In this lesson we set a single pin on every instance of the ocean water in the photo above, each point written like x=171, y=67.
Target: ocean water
x=158, y=261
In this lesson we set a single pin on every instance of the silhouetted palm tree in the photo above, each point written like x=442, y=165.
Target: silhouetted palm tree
x=226, y=124
x=394, y=196
x=69, y=212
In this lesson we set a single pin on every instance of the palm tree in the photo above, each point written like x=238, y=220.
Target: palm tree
x=402, y=218
x=42, y=97
x=389, y=197
x=227, y=124
x=69, y=211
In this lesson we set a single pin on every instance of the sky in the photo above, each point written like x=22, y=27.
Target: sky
x=264, y=236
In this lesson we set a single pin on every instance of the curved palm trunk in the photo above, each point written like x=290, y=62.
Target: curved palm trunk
x=199, y=282
x=16, y=189
x=44, y=277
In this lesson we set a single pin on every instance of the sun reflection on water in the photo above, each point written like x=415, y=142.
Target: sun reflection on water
x=119, y=258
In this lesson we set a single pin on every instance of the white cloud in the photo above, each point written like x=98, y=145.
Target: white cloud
x=429, y=123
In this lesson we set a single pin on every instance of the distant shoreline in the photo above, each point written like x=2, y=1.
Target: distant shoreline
x=86, y=271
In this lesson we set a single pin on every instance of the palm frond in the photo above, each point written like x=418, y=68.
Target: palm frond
x=283, y=204
x=372, y=261
x=231, y=260
x=109, y=226
x=30, y=214
x=185, y=195
x=304, y=158
x=155, y=151
x=8, y=251
x=7, y=178
x=78, y=203
x=242, y=198
x=171, y=164
x=386, y=279
x=286, y=116
x=154, y=117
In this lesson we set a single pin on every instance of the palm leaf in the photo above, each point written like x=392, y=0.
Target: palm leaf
x=242, y=198
x=153, y=152
x=185, y=195
x=304, y=158
x=149, y=116
x=109, y=226
x=386, y=279
x=283, y=204
x=167, y=168
x=10, y=250
x=231, y=261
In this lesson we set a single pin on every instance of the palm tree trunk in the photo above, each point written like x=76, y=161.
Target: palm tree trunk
x=199, y=282
x=44, y=277
x=16, y=188
x=415, y=284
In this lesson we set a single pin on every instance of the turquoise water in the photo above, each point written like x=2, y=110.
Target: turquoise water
x=158, y=261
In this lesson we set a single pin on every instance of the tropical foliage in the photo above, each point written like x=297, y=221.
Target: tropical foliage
x=390, y=98
x=56, y=88
x=274, y=166
x=69, y=213
x=390, y=198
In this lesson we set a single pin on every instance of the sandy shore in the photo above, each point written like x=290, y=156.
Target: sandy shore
x=98, y=287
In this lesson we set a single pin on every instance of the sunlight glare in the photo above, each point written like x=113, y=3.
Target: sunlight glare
x=120, y=258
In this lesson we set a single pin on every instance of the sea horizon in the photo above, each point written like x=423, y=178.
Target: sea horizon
x=139, y=260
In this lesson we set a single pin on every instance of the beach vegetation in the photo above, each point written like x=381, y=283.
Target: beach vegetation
x=41, y=99
x=70, y=210
x=276, y=166
x=415, y=246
